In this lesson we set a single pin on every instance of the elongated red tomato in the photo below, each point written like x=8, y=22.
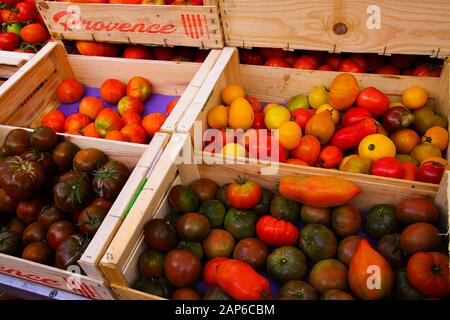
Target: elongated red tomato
x=318, y=191
x=241, y=281
x=210, y=270
x=243, y=193
x=275, y=232
x=350, y=137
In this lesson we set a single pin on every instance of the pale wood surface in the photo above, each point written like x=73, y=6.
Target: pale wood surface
x=147, y=14
x=413, y=27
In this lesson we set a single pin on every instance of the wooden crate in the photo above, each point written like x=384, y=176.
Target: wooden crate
x=140, y=159
x=120, y=263
x=384, y=26
x=194, y=26
x=279, y=84
x=11, y=62
x=28, y=95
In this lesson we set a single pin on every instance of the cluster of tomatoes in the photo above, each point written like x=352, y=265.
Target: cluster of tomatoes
x=345, y=127
x=53, y=196
x=183, y=54
x=361, y=63
x=95, y=120
x=250, y=243
x=153, y=2
x=23, y=29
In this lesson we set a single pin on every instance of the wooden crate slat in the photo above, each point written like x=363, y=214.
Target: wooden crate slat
x=196, y=26
x=421, y=27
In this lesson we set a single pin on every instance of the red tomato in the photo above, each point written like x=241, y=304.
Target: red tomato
x=116, y=135
x=374, y=60
x=427, y=70
x=429, y=272
x=171, y=105
x=330, y=157
x=90, y=131
x=137, y=52
x=349, y=65
x=263, y=150
x=334, y=60
x=256, y=105
x=373, y=100
x=26, y=11
x=302, y=116
x=243, y=193
x=76, y=122
x=408, y=71
x=268, y=53
x=153, y=122
x=291, y=58
x=131, y=117
x=296, y=161
x=307, y=150
x=34, y=33
x=210, y=270
x=258, y=122
x=277, y=62
x=54, y=119
x=325, y=67
x=11, y=3
x=355, y=115
x=387, y=167
x=306, y=62
x=134, y=133
x=92, y=48
x=112, y=90
x=164, y=53
x=402, y=61
x=8, y=16
x=387, y=69
x=409, y=171
x=360, y=60
x=430, y=172
x=250, y=57
x=276, y=232
x=69, y=91
x=9, y=41
x=107, y=120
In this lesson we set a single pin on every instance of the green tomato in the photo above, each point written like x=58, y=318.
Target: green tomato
x=14, y=27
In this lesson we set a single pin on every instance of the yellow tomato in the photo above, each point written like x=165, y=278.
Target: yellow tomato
x=425, y=150
x=240, y=115
x=218, y=117
x=234, y=150
x=396, y=104
x=318, y=97
x=437, y=136
x=335, y=115
x=231, y=93
x=414, y=97
x=289, y=135
x=376, y=146
x=276, y=116
x=269, y=106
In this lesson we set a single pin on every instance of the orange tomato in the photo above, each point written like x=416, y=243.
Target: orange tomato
x=69, y=91
x=330, y=157
x=256, y=106
x=405, y=140
x=289, y=135
x=218, y=117
x=409, y=171
x=90, y=131
x=307, y=150
x=171, y=105
x=108, y=119
x=134, y=133
x=153, y=122
x=127, y=104
x=414, y=97
x=116, y=135
x=440, y=160
x=343, y=91
x=131, y=117
x=240, y=114
x=232, y=92
x=91, y=106
x=54, y=119
x=437, y=136
x=321, y=125
x=112, y=90
x=73, y=132
x=296, y=161
x=140, y=88
x=425, y=150
x=76, y=122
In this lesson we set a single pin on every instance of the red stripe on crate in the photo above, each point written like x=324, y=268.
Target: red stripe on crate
x=194, y=23
x=206, y=25
x=183, y=18
x=199, y=20
x=191, y=33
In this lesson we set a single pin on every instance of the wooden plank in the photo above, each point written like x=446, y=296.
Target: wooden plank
x=167, y=77
x=384, y=26
x=195, y=26
x=16, y=59
x=104, y=235
x=56, y=278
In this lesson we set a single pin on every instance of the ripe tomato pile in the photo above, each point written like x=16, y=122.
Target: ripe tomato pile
x=183, y=54
x=305, y=242
x=95, y=120
x=361, y=63
x=23, y=29
x=53, y=196
x=343, y=127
